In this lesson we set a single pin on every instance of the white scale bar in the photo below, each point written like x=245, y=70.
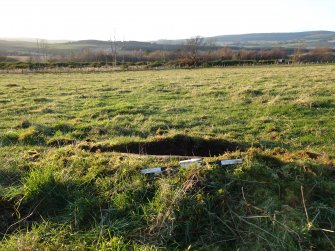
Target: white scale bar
x=152, y=170
x=230, y=162
x=185, y=163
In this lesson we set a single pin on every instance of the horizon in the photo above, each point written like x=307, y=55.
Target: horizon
x=150, y=20
x=64, y=40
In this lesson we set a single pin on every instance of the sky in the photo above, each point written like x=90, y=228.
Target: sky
x=148, y=20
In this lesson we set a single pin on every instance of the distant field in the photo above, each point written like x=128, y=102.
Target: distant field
x=66, y=182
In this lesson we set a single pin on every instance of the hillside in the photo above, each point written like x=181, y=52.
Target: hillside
x=23, y=47
x=261, y=40
x=295, y=36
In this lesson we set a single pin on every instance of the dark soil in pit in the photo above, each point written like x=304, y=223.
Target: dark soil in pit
x=176, y=145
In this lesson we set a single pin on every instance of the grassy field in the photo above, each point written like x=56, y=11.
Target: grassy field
x=70, y=174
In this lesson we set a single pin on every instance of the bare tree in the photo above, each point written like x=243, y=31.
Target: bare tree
x=224, y=53
x=42, y=49
x=191, y=55
x=113, y=49
x=123, y=46
x=298, y=53
x=193, y=45
x=211, y=44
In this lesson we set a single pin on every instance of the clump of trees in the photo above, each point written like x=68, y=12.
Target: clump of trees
x=190, y=54
x=320, y=55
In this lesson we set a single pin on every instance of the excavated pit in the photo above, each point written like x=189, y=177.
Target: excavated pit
x=180, y=145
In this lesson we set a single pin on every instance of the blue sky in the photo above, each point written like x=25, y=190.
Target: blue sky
x=160, y=19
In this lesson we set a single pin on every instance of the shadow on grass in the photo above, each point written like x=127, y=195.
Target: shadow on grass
x=7, y=215
x=224, y=209
x=9, y=177
x=42, y=197
x=256, y=205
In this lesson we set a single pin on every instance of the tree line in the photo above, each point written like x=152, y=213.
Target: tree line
x=194, y=52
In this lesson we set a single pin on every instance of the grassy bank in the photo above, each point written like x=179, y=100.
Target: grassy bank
x=66, y=182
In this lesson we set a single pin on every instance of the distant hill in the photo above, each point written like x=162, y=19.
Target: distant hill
x=28, y=47
x=306, y=39
x=289, y=40
x=309, y=39
x=309, y=35
x=33, y=40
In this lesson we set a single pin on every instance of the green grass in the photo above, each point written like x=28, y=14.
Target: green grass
x=65, y=186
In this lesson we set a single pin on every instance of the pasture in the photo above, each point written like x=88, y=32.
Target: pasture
x=72, y=146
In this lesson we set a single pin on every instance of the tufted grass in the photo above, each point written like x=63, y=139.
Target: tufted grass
x=70, y=177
